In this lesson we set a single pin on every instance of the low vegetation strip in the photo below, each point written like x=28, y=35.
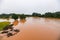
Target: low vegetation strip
x=3, y=24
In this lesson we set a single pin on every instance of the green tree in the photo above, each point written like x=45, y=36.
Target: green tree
x=22, y=16
x=4, y=16
x=36, y=14
x=57, y=14
x=14, y=16
x=48, y=14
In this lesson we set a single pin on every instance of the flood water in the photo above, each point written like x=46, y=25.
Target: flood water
x=33, y=28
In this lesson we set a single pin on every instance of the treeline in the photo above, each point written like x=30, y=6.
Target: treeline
x=34, y=14
x=48, y=14
x=13, y=15
x=52, y=15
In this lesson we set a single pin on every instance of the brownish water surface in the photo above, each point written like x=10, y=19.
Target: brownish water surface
x=36, y=29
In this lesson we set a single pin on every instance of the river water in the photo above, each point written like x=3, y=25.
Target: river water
x=34, y=28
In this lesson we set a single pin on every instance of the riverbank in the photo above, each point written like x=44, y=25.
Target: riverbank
x=3, y=24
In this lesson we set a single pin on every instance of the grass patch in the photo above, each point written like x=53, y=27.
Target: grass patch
x=3, y=24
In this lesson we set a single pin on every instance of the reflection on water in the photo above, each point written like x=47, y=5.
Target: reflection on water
x=22, y=20
x=37, y=29
x=15, y=22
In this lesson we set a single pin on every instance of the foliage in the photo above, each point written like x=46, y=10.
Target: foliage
x=22, y=16
x=14, y=16
x=36, y=14
x=3, y=24
x=52, y=15
x=48, y=14
x=4, y=16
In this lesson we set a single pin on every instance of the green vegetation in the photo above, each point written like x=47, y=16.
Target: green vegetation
x=22, y=16
x=52, y=15
x=48, y=15
x=14, y=16
x=34, y=14
x=3, y=24
x=4, y=16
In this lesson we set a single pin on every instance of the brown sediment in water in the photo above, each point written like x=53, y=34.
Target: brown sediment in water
x=37, y=29
x=22, y=20
x=15, y=22
x=1, y=37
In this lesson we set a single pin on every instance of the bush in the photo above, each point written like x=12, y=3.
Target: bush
x=14, y=16
x=48, y=14
x=22, y=16
x=52, y=15
x=36, y=14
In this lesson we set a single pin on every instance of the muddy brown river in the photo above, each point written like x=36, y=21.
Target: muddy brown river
x=33, y=28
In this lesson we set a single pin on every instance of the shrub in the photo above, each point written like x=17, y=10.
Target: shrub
x=22, y=16
x=14, y=16
x=36, y=14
